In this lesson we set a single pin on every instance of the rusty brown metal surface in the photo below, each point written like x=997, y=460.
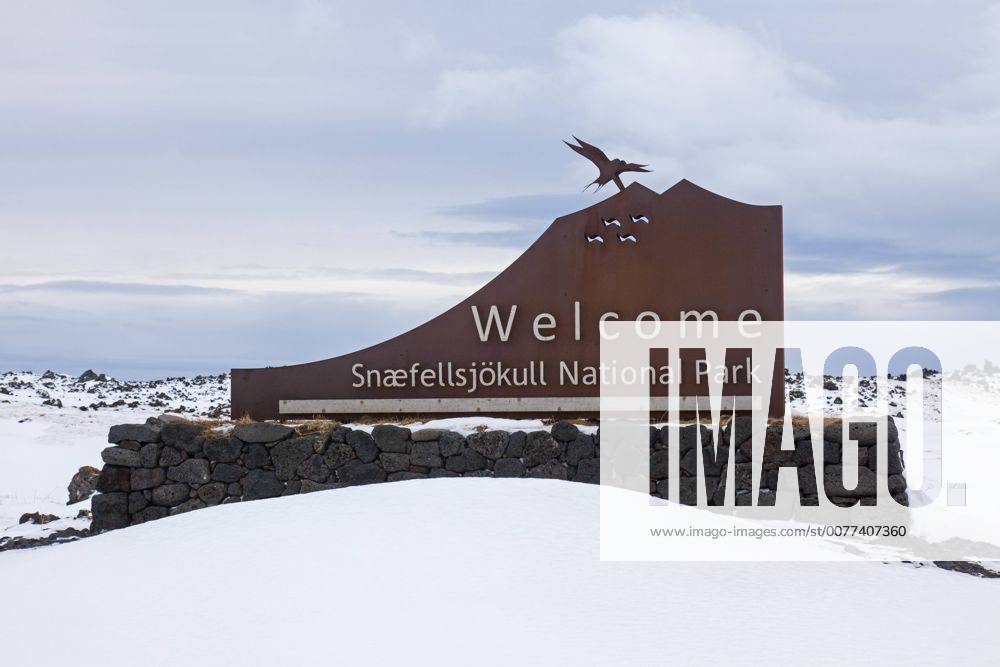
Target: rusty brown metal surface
x=685, y=249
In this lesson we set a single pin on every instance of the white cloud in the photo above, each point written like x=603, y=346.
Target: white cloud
x=679, y=81
x=315, y=18
x=715, y=103
x=731, y=110
x=979, y=89
x=481, y=93
x=884, y=293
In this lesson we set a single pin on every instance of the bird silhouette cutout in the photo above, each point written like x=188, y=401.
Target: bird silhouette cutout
x=609, y=170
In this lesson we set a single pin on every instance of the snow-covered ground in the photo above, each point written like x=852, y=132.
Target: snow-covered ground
x=205, y=396
x=461, y=570
x=39, y=455
x=42, y=444
x=51, y=424
x=430, y=570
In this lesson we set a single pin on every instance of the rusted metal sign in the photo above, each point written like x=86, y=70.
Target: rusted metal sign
x=528, y=342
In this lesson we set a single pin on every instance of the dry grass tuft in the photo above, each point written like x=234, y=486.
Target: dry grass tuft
x=579, y=421
x=800, y=420
x=316, y=426
x=402, y=420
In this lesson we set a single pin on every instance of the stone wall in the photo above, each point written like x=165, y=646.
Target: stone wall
x=166, y=467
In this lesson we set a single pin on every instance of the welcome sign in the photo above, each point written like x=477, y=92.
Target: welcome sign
x=528, y=342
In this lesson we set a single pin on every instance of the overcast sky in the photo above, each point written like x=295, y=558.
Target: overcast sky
x=190, y=186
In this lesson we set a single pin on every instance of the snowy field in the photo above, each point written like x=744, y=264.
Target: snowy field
x=484, y=570
x=461, y=570
x=52, y=423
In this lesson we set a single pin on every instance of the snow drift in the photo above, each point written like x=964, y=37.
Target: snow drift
x=443, y=571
